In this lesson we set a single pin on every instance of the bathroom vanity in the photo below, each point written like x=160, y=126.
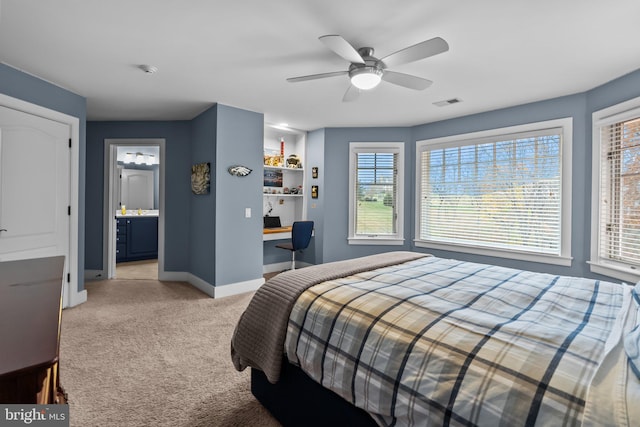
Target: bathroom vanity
x=136, y=236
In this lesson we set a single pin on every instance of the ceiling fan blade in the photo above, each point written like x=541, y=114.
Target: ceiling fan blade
x=342, y=48
x=406, y=80
x=351, y=94
x=316, y=76
x=416, y=52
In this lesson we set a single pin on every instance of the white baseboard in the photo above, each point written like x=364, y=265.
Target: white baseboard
x=193, y=280
x=222, y=291
x=203, y=285
x=237, y=288
x=282, y=266
x=277, y=267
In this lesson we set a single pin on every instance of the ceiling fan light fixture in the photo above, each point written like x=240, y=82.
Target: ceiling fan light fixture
x=365, y=78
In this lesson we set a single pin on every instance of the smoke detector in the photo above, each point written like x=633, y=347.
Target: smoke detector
x=149, y=69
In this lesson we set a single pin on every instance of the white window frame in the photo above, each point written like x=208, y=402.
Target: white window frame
x=564, y=258
x=372, y=239
x=607, y=116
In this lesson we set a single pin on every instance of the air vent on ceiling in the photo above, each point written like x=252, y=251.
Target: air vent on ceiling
x=447, y=102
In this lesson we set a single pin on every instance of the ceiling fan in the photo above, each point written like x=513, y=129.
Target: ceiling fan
x=366, y=71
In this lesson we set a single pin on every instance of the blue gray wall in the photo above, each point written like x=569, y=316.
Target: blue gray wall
x=336, y=189
x=177, y=136
x=202, y=212
x=570, y=106
x=226, y=136
x=240, y=141
x=31, y=89
x=225, y=246
x=578, y=106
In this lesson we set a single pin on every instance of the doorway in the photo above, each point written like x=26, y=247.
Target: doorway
x=143, y=209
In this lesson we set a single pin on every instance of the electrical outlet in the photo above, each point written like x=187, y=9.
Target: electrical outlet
x=247, y=212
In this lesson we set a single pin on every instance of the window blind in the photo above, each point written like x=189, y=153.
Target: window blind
x=619, y=226
x=376, y=193
x=500, y=192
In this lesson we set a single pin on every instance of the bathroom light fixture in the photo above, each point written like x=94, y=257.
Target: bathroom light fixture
x=140, y=158
x=365, y=78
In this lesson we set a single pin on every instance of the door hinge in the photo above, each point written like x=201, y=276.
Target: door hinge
x=69, y=142
x=69, y=210
x=68, y=277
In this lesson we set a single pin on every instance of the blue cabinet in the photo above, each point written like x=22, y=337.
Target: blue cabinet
x=121, y=239
x=136, y=238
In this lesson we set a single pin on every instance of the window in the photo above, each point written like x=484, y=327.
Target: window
x=376, y=176
x=504, y=192
x=615, y=237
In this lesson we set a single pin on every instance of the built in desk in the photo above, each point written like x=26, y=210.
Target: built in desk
x=279, y=233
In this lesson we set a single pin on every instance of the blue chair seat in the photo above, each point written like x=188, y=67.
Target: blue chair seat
x=300, y=237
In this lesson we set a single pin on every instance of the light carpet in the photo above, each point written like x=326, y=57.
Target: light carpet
x=150, y=353
x=145, y=269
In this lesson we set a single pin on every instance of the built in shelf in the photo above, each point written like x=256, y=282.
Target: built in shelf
x=283, y=168
x=282, y=195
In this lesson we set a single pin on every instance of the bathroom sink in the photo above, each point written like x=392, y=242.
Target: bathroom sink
x=134, y=212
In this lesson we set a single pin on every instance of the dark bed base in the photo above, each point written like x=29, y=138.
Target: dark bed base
x=297, y=400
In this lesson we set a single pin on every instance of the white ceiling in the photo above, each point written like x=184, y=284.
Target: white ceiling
x=239, y=53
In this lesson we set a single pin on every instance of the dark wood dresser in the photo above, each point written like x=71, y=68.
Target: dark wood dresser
x=30, y=313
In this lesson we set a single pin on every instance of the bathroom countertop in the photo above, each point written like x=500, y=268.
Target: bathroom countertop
x=134, y=213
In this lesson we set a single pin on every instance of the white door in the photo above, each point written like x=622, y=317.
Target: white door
x=137, y=189
x=34, y=186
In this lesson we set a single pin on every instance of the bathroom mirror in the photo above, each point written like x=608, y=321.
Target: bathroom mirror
x=139, y=177
x=136, y=188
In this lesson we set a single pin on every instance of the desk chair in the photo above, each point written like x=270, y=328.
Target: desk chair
x=300, y=238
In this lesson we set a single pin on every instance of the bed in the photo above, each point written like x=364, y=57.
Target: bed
x=404, y=339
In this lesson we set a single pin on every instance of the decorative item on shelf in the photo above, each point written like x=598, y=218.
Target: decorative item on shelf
x=314, y=191
x=239, y=170
x=200, y=178
x=272, y=178
x=314, y=172
x=285, y=190
x=272, y=158
x=293, y=161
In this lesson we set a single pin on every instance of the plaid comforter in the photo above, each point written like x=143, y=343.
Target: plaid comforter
x=444, y=342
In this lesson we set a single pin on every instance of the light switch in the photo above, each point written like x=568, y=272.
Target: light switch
x=247, y=212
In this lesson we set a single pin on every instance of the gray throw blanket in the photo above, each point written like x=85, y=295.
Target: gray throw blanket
x=258, y=340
